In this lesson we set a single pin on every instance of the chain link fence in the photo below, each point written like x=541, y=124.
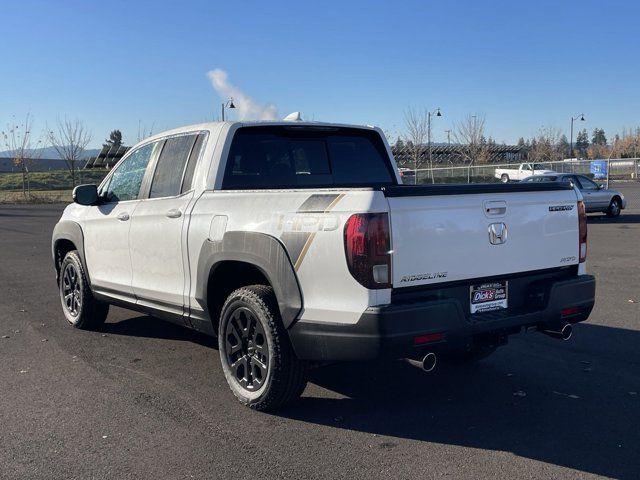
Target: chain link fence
x=451, y=166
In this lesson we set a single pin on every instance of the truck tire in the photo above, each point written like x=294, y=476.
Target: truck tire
x=504, y=178
x=614, y=208
x=257, y=359
x=80, y=308
x=471, y=355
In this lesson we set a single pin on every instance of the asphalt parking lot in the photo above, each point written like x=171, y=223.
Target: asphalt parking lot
x=146, y=399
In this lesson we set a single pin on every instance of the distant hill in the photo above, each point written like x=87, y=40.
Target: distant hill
x=51, y=153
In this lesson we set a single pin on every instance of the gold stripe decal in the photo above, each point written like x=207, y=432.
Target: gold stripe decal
x=309, y=241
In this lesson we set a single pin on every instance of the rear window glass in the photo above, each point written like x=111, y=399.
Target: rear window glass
x=290, y=157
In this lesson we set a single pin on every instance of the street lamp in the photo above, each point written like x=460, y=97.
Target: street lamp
x=227, y=104
x=577, y=117
x=437, y=113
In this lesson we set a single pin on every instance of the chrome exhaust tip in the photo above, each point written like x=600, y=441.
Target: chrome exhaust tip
x=562, y=332
x=429, y=362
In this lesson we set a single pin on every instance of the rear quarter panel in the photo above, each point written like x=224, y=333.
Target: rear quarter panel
x=310, y=225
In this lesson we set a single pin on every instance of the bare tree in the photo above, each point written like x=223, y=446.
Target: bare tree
x=547, y=147
x=17, y=138
x=70, y=141
x=143, y=132
x=469, y=135
x=416, y=124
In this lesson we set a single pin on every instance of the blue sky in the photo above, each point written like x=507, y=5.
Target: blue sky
x=523, y=65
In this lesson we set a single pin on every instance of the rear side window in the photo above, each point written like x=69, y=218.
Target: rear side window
x=191, y=164
x=290, y=157
x=167, y=179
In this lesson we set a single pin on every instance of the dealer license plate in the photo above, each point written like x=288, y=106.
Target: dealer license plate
x=488, y=297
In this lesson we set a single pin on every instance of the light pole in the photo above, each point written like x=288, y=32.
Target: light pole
x=437, y=113
x=448, y=132
x=577, y=117
x=227, y=104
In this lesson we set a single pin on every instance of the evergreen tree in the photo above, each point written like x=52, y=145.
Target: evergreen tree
x=582, y=143
x=114, y=140
x=599, y=138
x=563, y=146
x=521, y=142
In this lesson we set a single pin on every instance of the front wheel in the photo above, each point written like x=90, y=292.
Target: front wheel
x=80, y=308
x=504, y=178
x=257, y=359
x=614, y=208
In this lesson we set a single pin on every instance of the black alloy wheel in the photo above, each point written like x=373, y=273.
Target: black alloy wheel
x=246, y=349
x=72, y=290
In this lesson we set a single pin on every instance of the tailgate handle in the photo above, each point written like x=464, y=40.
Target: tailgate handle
x=495, y=208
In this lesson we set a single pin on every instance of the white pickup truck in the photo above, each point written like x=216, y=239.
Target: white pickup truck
x=296, y=245
x=523, y=171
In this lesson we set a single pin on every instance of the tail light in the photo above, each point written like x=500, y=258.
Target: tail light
x=367, y=247
x=582, y=229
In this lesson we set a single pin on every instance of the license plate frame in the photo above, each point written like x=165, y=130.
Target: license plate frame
x=489, y=297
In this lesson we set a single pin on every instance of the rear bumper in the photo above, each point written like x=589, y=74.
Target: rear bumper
x=390, y=331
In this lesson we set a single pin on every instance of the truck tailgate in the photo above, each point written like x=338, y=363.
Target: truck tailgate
x=445, y=233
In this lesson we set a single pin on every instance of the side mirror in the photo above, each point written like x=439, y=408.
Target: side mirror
x=85, y=194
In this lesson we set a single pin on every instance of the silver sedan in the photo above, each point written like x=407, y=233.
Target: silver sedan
x=596, y=197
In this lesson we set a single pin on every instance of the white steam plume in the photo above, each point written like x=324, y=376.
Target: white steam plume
x=246, y=107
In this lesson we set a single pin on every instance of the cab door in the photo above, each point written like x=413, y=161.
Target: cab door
x=159, y=226
x=107, y=225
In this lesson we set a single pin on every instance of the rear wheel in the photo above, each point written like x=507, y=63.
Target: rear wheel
x=504, y=178
x=258, y=361
x=614, y=208
x=80, y=308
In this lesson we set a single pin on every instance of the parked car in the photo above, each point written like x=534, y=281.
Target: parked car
x=407, y=175
x=296, y=244
x=596, y=197
x=523, y=171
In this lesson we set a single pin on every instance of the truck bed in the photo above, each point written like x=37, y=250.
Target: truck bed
x=471, y=188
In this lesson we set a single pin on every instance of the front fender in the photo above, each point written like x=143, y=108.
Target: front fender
x=71, y=231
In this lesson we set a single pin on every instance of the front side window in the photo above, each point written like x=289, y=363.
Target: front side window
x=126, y=179
x=167, y=179
x=587, y=184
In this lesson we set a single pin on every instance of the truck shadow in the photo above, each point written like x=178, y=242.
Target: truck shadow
x=150, y=327
x=574, y=404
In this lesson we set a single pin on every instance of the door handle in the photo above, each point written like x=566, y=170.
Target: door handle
x=123, y=217
x=174, y=213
